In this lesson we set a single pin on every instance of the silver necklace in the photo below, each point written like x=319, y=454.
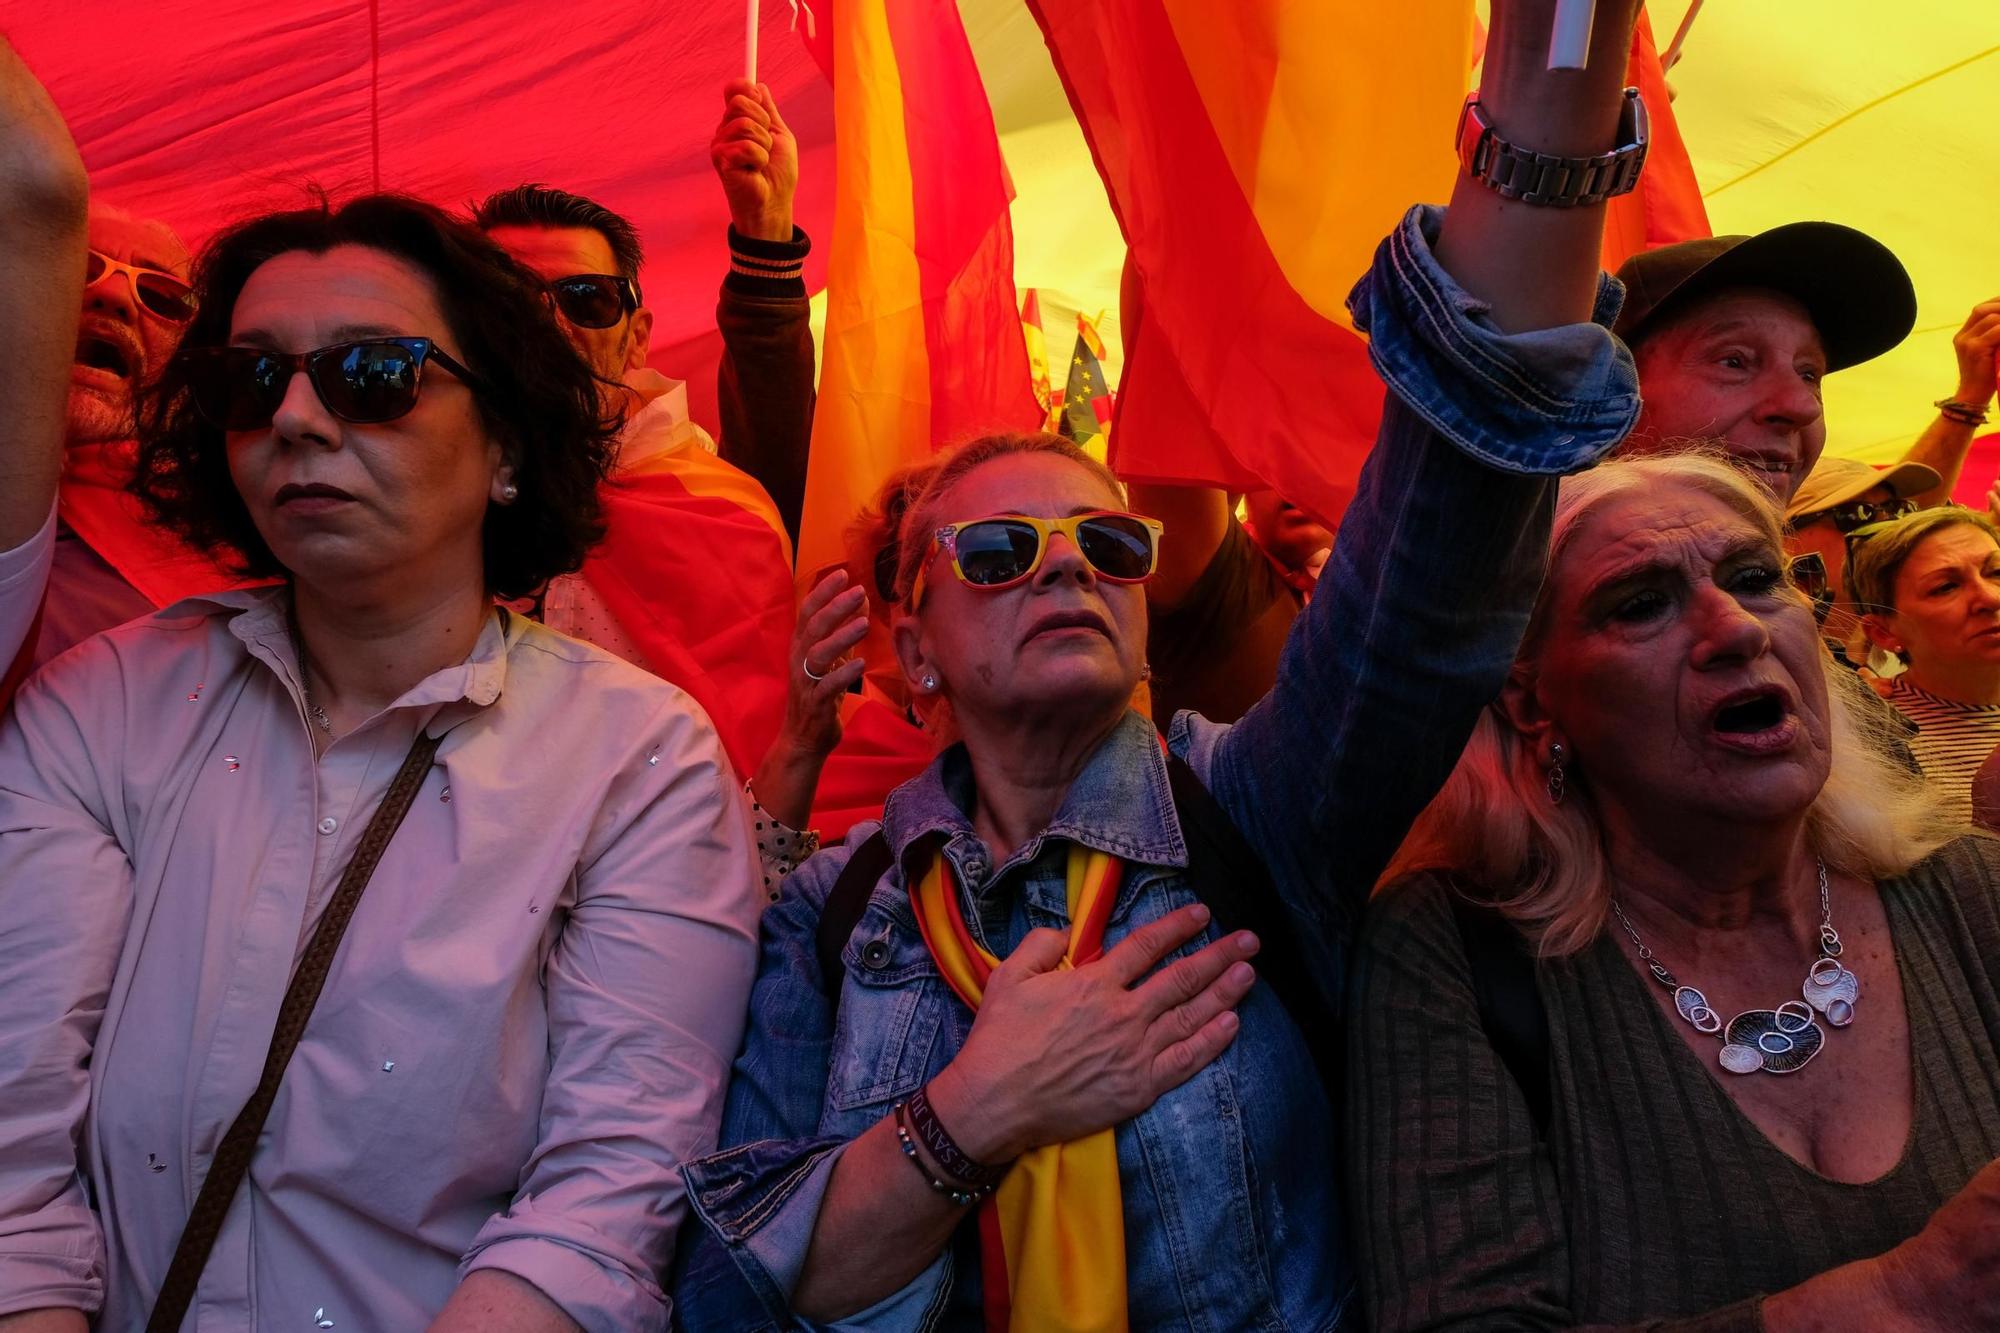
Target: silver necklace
x=1776, y=1041
x=313, y=710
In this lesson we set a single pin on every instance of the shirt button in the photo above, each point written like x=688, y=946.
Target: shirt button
x=329, y=824
x=875, y=955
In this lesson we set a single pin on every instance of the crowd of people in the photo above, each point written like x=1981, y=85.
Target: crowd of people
x=1555, y=896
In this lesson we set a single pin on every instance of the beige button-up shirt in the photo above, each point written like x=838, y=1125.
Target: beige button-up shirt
x=526, y=1029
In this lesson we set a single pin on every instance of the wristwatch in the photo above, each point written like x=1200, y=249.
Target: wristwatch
x=1540, y=178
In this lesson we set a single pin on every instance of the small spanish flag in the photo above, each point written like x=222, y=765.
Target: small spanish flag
x=1038, y=347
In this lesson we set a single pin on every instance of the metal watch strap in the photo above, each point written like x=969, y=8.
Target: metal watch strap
x=1546, y=179
x=231, y=1162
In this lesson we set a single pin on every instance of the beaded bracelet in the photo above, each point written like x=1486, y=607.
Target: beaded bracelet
x=1965, y=414
x=962, y=1198
x=958, y=1166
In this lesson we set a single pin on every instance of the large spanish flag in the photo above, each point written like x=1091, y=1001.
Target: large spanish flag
x=1667, y=206
x=923, y=343
x=696, y=569
x=1255, y=154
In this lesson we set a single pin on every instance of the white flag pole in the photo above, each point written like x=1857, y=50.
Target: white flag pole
x=1569, y=40
x=750, y=41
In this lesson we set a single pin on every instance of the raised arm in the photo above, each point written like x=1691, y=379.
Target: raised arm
x=43, y=200
x=765, y=382
x=1946, y=441
x=1487, y=324
x=44, y=196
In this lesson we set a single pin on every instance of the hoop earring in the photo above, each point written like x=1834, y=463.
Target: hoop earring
x=1555, y=775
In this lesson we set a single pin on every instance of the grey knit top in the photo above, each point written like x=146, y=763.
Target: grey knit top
x=1653, y=1202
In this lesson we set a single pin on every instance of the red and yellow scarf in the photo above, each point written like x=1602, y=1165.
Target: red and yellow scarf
x=1052, y=1237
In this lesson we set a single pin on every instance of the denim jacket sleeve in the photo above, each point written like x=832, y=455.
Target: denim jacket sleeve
x=1417, y=617
x=756, y=1199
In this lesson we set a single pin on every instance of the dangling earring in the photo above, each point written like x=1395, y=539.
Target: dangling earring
x=509, y=493
x=1555, y=775
x=930, y=682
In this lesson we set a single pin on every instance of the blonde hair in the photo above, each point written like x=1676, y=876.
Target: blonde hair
x=1543, y=864
x=1878, y=558
x=921, y=515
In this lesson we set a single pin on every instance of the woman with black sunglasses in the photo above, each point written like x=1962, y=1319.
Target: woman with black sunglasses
x=971, y=1096
x=368, y=954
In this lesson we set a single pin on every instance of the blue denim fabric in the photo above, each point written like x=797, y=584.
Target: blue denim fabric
x=1232, y=1212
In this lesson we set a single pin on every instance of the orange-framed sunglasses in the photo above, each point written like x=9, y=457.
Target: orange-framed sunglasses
x=999, y=552
x=162, y=294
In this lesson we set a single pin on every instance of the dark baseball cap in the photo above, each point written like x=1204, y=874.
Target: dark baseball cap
x=1856, y=291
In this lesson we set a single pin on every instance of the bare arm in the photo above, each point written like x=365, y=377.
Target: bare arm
x=1537, y=267
x=44, y=196
x=1944, y=444
x=45, y=1321
x=490, y=1301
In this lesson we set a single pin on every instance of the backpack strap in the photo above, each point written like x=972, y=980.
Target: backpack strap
x=1232, y=881
x=845, y=903
x=1510, y=1006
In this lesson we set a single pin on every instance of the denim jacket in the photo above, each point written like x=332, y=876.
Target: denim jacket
x=1232, y=1210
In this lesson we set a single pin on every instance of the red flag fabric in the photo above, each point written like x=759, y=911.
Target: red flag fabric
x=1667, y=206
x=1232, y=140
x=94, y=503
x=879, y=751
x=697, y=571
x=923, y=343
x=200, y=114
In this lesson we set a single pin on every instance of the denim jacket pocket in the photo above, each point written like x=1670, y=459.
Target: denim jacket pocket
x=893, y=1003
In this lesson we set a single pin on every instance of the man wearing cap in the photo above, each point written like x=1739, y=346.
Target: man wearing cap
x=1734, y=334
x=1839, y=497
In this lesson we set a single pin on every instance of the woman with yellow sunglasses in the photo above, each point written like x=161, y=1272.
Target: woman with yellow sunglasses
x=1009, y=1065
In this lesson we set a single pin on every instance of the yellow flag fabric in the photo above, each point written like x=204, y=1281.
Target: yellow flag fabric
x=1053, y=1234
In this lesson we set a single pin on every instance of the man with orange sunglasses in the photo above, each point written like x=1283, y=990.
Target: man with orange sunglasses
x=110, y=566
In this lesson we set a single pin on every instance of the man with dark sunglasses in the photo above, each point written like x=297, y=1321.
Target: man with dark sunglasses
x=693, y=579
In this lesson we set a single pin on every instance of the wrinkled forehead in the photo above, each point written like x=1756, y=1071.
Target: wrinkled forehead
x=1676, y=526
x=1757, y=312
x=146, y=242
x=1950, y=547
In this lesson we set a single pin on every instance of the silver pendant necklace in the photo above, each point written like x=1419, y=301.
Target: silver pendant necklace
x=313, y=710
x=1775, y=1041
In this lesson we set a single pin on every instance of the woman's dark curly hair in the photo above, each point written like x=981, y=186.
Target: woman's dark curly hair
x=535, y=395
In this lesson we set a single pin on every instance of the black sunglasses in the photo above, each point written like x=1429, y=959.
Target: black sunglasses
x=1808, y=575
x=595, y=300
x=366, y=382
x=1862, y=513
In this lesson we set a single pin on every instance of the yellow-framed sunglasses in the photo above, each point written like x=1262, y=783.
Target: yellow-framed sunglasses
x=999, y=552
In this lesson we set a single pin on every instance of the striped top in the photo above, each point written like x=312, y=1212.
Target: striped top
x=1654, y=1200
x=1953, y=739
